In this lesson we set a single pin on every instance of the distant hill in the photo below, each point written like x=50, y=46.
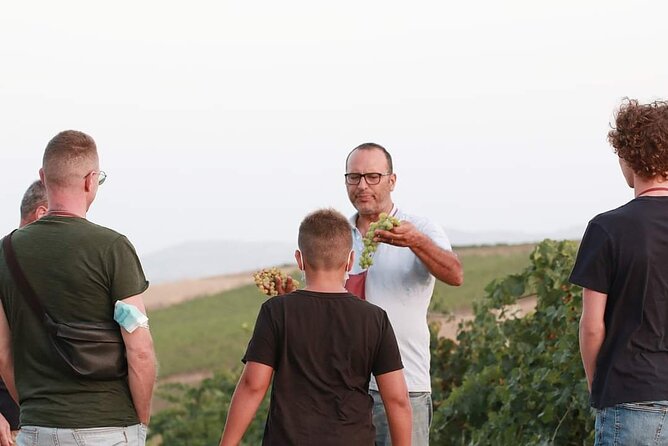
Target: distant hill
x=193, y=260
x=463, y=238
x=198, y=259
x=202, y=325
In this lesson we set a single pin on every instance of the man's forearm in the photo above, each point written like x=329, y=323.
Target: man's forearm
x=243, y=407
x=393, y=391
x=400, y=419
x=7, y=374
x=5, y=432
x=591, y=339
x=592, y=330
x=141, y=379
x=6, y=357
x=444, y=265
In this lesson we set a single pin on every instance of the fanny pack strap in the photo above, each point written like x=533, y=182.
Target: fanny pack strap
x=21, y=280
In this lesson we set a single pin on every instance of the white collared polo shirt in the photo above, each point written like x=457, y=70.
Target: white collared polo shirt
x=400, y=283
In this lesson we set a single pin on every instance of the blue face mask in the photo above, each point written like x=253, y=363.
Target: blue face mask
x=129, y=317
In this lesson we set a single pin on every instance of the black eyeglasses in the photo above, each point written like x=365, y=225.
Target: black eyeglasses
x=371, y=178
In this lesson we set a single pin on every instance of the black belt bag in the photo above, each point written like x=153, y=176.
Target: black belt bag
x=92, y=350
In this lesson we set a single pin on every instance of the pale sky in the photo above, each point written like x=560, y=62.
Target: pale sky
x=232, y=120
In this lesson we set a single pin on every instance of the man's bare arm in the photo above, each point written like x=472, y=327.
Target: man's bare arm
x=5, y=433
x=444, y=265
x=7, y=372
x=592, y=330
x=6, y=358
x=393, y=391
x=141, y=364
x=247, y=397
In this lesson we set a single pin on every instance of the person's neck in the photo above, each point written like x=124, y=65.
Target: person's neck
x=325, y=281
x=364, y=220
x=66, y=206
x=644, y=185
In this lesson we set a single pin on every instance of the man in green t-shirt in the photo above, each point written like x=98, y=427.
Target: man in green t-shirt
x=34, y=206
x=80, y=271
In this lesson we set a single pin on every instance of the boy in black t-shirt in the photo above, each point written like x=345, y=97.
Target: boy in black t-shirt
x=321, y=345
x=622, y=265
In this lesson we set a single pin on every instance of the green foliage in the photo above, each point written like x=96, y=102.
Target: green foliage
x=209, y=333
x=511, y=380
x=481, y=265
x=507, y=380
x=196, y=415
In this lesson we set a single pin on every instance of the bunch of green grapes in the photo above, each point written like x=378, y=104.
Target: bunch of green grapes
x=266, y=279
x=386, y=223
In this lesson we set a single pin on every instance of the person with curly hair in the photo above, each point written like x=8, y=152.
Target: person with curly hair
x=621, y=266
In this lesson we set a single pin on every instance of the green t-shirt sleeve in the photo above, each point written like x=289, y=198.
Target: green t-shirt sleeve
x=126, y=276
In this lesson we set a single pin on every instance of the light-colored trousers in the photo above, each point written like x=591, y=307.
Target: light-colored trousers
x=134, y=435
x=422, y=415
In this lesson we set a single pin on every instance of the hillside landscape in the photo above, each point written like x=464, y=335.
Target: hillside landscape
x=494, y=364
x=206, y=258
x=202, y=325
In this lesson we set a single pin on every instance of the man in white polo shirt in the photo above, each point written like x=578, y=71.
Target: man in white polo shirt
x=401, y=280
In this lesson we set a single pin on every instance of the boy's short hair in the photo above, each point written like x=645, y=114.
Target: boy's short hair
x=325, y=239
x=640, y=137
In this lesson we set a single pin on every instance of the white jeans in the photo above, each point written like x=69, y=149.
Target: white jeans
x=134, y=435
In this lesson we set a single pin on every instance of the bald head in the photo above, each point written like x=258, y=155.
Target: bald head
x=372, y=146
x=68, y=158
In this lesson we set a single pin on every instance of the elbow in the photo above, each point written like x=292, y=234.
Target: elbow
x=253, y=386
x=405, y=403
x=589, y=329
x=400, y=401
x=141, y=354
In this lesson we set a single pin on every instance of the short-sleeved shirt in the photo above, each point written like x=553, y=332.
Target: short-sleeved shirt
x=624, y=254
x=401, y=284
x=323, y=348
x=78, y=270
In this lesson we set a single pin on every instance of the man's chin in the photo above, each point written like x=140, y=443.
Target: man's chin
x=365, y=209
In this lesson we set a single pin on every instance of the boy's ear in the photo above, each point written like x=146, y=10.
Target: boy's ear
x=299, y=259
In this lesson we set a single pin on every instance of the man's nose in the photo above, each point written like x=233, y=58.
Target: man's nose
x=363, y=184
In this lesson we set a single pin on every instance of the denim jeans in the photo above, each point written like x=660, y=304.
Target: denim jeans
x=422, y=414
x=134, y=435
x=631, y=424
